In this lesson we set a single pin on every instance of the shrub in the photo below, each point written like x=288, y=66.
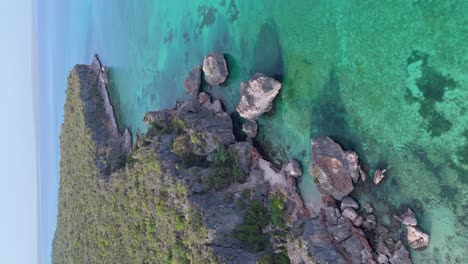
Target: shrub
x=276, y=206
x=250, y=231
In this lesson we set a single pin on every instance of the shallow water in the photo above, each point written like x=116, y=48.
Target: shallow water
x=386, y=79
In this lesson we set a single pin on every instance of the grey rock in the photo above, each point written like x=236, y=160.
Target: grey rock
x=362, y=174
x=242, y=154
x=215, y=69
x=330, y=168
x=379, y=175
x=350, y=213
x=417, y=238
x=293, y=168
x=352, y=161
x=257, y=96
x=193, y=81
x=348, y=202
x=358, y=220
x=368, y=208
x=250, y=128
x=370, y=222
x=407, y=218
x=400, y=255
x=316, y=238
x=382, y=259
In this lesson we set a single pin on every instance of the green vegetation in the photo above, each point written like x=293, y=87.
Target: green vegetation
x=250, y=231
x=278, y=258
x=276, y=206
x=139, y=214
x=225, y=168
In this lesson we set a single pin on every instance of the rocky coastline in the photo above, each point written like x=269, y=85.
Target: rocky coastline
x=112, y=146
x=227, y=179
x=338, y=234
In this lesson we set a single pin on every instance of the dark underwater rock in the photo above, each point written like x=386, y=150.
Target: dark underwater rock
x=250, y=128
x=193, y=81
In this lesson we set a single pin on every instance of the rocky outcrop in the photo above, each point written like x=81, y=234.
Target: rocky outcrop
x=379, y=175
x=193, y=81
x=407, y=218
x=257, y=96
x=417, y=238
x=215, y=69
x=348, y=202
x=250, y=128
x=332, y=168
x=293, y=168
x=111, y=146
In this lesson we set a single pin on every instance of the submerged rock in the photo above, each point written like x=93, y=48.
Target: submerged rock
x=379, y=175
x=193, y=81
x=215, y=69
x=417, y=238
x=368, y=208
x=330, y=168
x=250, y=128
x=257, y=96
x=407, y=218
x=382, y=259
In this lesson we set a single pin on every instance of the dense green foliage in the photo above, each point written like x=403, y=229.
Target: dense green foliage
x=140, y=214
x=225, y=168
x=250, y=231
x=276, y=206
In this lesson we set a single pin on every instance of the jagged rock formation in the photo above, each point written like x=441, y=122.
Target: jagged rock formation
x=111, y=145
x=331, y=167
x=215, y=69
x=257, y=96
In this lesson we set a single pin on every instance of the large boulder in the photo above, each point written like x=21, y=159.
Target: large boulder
x=348, y=202
x=330, y=167
x=193, y=81
x=417, y=238
x=257, y=96
x=215, y=69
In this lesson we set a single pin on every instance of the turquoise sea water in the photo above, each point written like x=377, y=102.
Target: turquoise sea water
x=388, y=79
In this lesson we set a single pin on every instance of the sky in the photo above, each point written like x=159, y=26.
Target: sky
x=19, y=226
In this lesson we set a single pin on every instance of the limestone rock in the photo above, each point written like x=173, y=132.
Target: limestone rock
x=352, y=161
x=400, y=255
x=257, y=96
x=215, y=69
x=350, y=214
x=293, y=168
x=379, y=175
x=242, y=154
x=368, y=208
x=193, y=81
x=250, y=128
x=407, y=218
x=358, y=220
x=330, y=168
x=382, y=259
x=348, y=202
x=417, y=238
